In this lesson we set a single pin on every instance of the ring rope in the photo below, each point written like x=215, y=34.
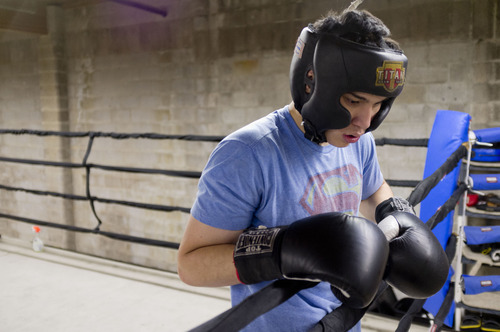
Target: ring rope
x=174, y=173
x=425, y=186
x=416, y=142
x=203, y=138
x=116, y=236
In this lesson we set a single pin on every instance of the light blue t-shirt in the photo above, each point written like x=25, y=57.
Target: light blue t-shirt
x=267, y=173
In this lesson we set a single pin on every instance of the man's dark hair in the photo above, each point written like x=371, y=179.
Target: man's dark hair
x=357, y=25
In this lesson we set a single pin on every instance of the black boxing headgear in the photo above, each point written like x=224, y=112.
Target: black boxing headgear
x=341, y=66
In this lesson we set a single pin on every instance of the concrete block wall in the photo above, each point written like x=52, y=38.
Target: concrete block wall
x=207, y=68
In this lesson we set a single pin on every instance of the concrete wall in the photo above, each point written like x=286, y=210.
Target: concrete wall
x=207, y=68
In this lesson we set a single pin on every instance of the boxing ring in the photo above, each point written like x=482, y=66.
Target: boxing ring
x=437, y=195
x=92, y=138
x=88, y=167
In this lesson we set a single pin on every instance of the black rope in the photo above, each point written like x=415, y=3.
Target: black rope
x=447, y=207
x=236, y=318
x=157, y=207
x=417, y=142
x=40, y=162
x=141, y=240
x=87, y=182
x=44, y=193
x=343, y=318
x=444, y=310
x=185, y=174
x=417, y=304
x=204, y=138
x=418, y=195
x=402, y=183
x=437, y=217
x=43, y=133
x=176, y=173
x=424, y=187
x=47, y=223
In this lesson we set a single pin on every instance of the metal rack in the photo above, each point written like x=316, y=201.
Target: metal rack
x=477, y=182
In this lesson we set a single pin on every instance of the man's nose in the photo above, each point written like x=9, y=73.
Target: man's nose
x=363, y=118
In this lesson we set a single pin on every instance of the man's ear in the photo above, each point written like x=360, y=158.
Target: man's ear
x=310, y=78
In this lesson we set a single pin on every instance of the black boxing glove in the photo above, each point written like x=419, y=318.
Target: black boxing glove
x=417, y=264
x=348, y=252
x=394, y=204
x=391, y=205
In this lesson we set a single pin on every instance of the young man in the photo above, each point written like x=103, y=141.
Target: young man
x=310, y=158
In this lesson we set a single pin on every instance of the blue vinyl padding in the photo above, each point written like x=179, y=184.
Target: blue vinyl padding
x=488, y=135
x=486, y=155
x=482, y=234
x=480, y=284
x=485, y=181
x=449, y=131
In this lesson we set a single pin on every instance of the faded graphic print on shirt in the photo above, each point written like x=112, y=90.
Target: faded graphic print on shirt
x=338, y=190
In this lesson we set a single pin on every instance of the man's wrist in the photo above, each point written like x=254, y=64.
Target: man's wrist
x=391, y=205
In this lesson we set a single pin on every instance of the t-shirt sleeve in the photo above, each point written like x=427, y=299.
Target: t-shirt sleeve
x=228, y=190
x=372, y=175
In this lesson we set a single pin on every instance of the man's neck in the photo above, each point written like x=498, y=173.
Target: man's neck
x=297, y=118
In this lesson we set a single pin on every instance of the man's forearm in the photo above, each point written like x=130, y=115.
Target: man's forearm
x=210, y=266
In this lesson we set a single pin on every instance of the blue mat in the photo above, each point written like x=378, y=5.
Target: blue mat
x=449, y=131
x=475, y=235
x=485, y=181
x=480, y=284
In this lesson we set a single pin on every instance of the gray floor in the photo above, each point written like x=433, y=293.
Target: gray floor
x=58, y=290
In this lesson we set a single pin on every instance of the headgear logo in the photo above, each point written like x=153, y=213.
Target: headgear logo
x=391, y=75
x=299, y=47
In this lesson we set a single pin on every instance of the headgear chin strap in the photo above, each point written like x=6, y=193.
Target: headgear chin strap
x=341, y=66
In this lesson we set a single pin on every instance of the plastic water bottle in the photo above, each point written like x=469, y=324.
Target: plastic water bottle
x=37, y=242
